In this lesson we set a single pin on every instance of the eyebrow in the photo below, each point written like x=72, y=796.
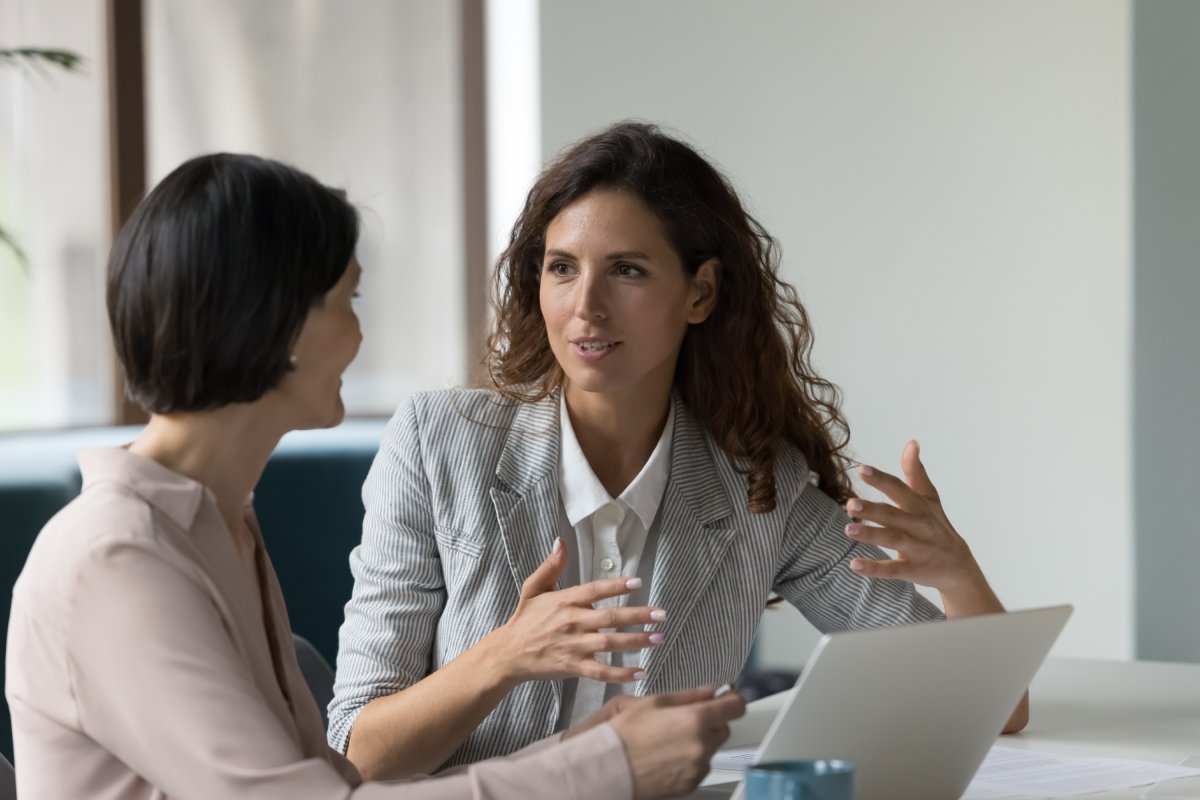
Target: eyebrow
x=610, y=257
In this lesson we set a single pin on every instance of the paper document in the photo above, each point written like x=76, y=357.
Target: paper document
x=734, y=758
x=1009, y=772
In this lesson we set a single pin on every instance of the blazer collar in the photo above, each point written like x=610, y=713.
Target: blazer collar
x=531, y=449
x=694, y=468
x=531, y=452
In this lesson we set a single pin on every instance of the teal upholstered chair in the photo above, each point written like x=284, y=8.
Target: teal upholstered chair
x=24, y=509
x=309, y=505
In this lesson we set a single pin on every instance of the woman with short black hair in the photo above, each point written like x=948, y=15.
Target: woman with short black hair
x=149, y=650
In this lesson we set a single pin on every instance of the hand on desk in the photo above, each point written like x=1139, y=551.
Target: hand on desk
x=669, y=738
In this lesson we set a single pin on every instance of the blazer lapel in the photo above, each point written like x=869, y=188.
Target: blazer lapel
x=527, y=502
x=695, y=530
x=527, y=507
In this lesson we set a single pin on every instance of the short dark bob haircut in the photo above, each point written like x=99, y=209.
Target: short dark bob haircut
x=211, y=278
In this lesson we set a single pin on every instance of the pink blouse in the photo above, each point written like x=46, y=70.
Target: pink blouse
x=143, y=663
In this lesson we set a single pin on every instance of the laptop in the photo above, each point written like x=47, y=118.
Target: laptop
x=915, y=707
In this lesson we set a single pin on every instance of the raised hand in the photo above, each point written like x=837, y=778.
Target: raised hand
x=929, y=550
x=557, y=633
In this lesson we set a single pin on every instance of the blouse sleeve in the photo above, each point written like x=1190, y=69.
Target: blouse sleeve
x=158, y=682
x=815, y=575
x=386, y=641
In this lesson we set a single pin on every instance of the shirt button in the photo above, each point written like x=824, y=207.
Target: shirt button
x=607, y=564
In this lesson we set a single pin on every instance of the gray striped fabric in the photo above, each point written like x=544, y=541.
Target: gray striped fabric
x=462, y=503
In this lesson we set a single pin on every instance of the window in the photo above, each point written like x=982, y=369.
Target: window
x=55, y=362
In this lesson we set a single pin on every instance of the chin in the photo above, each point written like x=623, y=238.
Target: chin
x=593, y=383
x=330, y=419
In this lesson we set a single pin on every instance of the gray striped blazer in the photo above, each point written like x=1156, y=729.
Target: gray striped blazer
x=462, y=504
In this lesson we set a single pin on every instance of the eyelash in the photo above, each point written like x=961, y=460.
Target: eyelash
x=633, y=270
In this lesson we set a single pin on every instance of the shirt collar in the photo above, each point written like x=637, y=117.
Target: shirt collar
x=176, y=495
x=582, y=492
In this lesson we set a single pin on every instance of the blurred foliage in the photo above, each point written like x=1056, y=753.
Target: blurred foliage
x=34, y=58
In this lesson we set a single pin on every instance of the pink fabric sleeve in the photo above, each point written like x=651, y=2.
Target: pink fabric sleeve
x=159, y=684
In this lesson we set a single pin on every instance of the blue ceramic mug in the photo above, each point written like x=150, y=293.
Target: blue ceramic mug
x=815, y=779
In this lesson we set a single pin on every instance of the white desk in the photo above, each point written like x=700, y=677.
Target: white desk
x=1082, y=707
x=1117, y=709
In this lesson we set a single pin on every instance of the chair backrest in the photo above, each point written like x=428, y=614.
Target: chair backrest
x=309, y=506
x=317, y=674
x=24, y=509
x=8, y=780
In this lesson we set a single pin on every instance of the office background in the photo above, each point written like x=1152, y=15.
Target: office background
x=990, y=210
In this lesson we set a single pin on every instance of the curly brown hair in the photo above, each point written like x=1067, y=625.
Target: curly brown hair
x=749, y=381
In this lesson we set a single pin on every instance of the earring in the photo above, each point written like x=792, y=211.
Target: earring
x=292, y=360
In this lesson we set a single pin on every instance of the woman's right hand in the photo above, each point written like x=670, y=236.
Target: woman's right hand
x=557, y=633
x=670, y=739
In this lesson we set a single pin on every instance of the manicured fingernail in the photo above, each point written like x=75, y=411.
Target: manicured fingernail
x=640, y=675
x=658, y=615
x=657, y=638
x=856, y=565
x=853, y=529
x=866, y=470
x=557, y=546
x=634, y=583
x=855, y=505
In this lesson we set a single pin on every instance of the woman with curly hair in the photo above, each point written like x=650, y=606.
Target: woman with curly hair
x=650, y=413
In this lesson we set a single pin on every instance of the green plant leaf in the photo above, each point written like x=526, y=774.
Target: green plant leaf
x=63, y=58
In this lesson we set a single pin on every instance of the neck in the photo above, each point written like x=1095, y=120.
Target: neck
x=225, y=450
x=616, y=432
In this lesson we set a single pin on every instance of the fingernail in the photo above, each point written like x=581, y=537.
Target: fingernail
x=634, y=583
x=557, y=546
x=855, y=505
x=657, y=638
x=853, y=529
x=640, y=675
x=724, y=688
x=866, y=470
x=658, y=615
x=856, y=565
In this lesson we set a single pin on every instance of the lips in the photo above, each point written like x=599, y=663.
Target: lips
x=592, y=349
x=595, y=346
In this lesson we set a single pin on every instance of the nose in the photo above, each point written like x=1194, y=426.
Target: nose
x=590, y=300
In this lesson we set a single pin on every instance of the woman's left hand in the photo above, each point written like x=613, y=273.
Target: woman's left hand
x=928, y=549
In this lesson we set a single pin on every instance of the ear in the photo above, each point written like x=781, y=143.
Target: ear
x=702, y=296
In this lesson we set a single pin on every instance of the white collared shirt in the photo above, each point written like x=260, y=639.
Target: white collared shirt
x=610, y=537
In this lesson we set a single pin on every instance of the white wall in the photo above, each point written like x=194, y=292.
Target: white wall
x=950, y=182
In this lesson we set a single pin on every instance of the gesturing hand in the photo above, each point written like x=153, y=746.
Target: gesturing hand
x=929, y=550
x=556, y=634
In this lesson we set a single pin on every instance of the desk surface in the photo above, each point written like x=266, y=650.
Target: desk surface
x=1083, y=707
